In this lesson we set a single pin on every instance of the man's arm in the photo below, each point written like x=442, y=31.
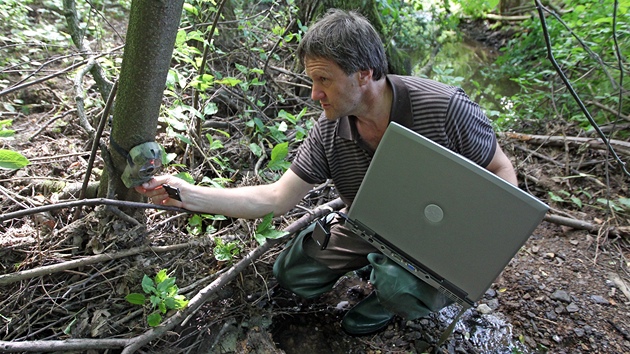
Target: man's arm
x=244, y=202
x=501, y=166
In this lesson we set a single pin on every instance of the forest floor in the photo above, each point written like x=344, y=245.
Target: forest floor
x=566, y=290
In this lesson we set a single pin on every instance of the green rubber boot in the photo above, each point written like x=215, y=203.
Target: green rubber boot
x=301, y=274
x=397, y=292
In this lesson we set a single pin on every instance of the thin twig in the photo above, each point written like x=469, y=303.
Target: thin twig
x=89, y=202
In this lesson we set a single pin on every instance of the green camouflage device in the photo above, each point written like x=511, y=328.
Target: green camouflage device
x=143, y=162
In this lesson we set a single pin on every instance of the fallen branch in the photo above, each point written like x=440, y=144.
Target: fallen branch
x=131, y=345
x=622, y=147
x=584, y=225
x=64, y=345
x=87, y=202
x=609, y=110
x=60, y=267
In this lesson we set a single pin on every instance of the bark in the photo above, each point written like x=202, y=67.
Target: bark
x=151, y=37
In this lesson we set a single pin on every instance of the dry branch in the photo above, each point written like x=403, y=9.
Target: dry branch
x=86, y=202
x=584, y=225
x=60, y=267
x=620, y=146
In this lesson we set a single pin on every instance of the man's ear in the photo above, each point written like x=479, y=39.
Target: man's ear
x=365, y=76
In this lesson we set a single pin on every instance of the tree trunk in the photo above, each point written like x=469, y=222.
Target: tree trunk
x=149, y=46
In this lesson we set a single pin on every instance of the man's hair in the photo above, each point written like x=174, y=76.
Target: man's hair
x=348, y=39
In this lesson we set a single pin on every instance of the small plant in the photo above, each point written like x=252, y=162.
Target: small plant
x=266, y=230
x=9, y=159
x=163, y=296
x=571, y=198
x=196, y=224
x=225, y=251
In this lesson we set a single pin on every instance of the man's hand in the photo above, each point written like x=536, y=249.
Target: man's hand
x=154, y=189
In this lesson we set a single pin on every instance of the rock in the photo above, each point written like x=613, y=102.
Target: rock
x=600, y=300
x=493, y=304
x=579, y=332
x=484, y=309
x=561, y=295
x=572, y=307
x=342, y=305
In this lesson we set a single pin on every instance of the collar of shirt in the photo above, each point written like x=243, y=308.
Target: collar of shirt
x=401, y=111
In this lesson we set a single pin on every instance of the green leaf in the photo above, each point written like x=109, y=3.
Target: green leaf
x=278, y=155
x=577, y=201
x=136, y=298
x=7, y=133
x=555, y=197
x=11, y=160
x=274, y=234
x=186, y=177
x=261, y=239
x=256, y=149
x=191, y=9
x=147, y=284
x=155, y=300
x=6, y=122
x=229, y=81
x=265, y=224
x=164, y=286
x=280, y=151
x=210, y=108
x=161, y=276
x=184, y=138
x=176, y=302
x=625, y=202
x=162, y=307
x=68, y=329
x=265, y=230
x=154, y=319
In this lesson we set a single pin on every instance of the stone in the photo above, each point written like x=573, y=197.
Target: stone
x=561, y=295
x=600, y=300
x=572, y=307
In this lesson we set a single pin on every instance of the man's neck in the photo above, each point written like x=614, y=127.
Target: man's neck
x=375, y=115
x=372, y=123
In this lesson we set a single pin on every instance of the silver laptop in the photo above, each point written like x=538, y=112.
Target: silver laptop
x=447, y=220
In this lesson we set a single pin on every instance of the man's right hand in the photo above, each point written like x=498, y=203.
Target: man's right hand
x=154, y=190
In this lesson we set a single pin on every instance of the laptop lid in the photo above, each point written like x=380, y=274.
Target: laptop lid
x=450, y=222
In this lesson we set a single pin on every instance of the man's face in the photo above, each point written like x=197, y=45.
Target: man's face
x=339, y=94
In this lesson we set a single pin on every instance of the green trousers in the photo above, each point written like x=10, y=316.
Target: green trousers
x=307, y=270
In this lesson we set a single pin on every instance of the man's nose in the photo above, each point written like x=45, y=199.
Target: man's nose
x=316, y=93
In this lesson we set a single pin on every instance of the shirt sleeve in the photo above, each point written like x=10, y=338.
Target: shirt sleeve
x=310, y=162
x=470, y=130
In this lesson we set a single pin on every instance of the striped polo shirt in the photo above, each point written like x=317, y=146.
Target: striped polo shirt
x=442, y=113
